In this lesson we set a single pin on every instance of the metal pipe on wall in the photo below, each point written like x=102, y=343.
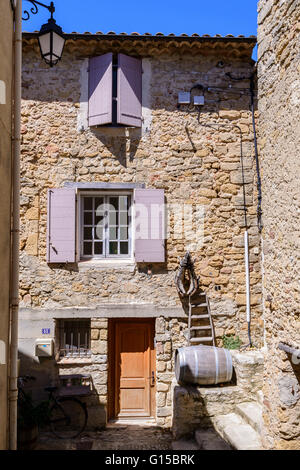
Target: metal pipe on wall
x=248, y=302
x=14, y=289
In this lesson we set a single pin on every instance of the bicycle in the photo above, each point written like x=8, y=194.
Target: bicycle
x=66, y=415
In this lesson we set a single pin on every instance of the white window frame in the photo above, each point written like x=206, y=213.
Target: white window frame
x=95, y=193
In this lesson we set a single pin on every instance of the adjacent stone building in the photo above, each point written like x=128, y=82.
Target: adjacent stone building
x=279, y=132
x=6, y=130
x=83, y=272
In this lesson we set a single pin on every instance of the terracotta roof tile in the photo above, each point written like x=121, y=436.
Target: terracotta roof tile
x=183, y=35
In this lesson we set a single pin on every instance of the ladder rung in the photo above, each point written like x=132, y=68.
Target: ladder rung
x=208, y=327
x=199, y=316
x=199, y=305
x=202, y=339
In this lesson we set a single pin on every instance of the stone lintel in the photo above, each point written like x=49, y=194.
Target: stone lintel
x=103, y=311
x=103, y=185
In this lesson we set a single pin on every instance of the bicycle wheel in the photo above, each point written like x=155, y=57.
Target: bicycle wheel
x=68, y=418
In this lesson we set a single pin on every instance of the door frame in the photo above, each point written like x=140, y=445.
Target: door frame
x=111, y=392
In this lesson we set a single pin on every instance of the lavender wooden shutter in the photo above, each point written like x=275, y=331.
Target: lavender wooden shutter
x=100, y=90
x=149, y=219
x=61, y=226
x=129, y=91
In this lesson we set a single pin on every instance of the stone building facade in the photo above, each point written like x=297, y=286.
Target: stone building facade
x=194, y=157
x=279, y=132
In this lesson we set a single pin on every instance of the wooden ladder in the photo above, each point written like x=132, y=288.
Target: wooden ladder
x=200, y=326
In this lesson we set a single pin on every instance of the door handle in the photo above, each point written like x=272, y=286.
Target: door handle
x=152, y=379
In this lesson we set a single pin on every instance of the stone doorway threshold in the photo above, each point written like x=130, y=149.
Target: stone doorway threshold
x=122, y=422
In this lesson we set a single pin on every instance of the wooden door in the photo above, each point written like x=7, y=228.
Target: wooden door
x=134, y=373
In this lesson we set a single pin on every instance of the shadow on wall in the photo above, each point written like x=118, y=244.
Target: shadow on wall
x=46, y=373
x=120, y=142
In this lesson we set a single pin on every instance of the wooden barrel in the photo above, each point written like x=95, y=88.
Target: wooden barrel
x=203, y=365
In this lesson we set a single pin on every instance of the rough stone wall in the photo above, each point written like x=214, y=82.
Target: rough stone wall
x=193, y=164
x=279, y=133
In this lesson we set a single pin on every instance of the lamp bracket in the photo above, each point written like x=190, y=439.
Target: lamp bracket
x=34, y=9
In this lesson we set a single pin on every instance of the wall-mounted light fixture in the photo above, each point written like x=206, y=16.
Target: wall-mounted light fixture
x=51, y=38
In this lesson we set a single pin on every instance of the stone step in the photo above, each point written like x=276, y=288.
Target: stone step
x=184, y=444
x=208, y=439
x=201, y=339
x=236, y=432
x=251, y=412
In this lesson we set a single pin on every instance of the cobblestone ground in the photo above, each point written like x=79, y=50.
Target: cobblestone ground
x=129, y=437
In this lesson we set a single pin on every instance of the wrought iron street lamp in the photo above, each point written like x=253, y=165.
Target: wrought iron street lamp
x=51, y=38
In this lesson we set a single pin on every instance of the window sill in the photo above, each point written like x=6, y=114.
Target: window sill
x=74, y=360
x=104, y=265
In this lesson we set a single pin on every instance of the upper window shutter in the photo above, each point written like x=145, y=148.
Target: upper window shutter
x=129, y=91
x=149, y=208
x=100, y=90
x=61, y=226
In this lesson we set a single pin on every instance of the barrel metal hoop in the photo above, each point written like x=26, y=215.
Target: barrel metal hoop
x=217, y=364
x=228, y=364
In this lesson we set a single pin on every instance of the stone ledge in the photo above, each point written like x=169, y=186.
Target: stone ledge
x=106, y=265
x=74, y=361
x=103, y=185
x=247, y=358
x=117, y=310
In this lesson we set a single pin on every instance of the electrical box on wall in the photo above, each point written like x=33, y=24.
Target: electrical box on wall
x=199, y=100
x=184, y=97
x=44, y=347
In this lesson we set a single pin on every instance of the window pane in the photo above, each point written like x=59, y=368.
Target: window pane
x=88, y=203
x=123, y=233
x=99, y=205
x=88, y=233
x=99, y=219
x=113, y=248
x=113, y=218
x=98, y=248
x=123, y=203
x=113, y=203
x=113, y=233
x=124, y=248
x=88, y=218
x=99, y=232
x=123, y=218
x=87, y=248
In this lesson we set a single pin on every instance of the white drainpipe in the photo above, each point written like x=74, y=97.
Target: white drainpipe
x=248, y=310
x=14, y=289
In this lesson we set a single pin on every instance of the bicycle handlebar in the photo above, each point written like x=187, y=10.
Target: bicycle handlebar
x=26, y=378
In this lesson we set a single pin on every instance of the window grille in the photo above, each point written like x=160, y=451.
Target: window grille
x=75, y=338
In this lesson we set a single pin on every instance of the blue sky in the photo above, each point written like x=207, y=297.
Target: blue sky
x=166, y=16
